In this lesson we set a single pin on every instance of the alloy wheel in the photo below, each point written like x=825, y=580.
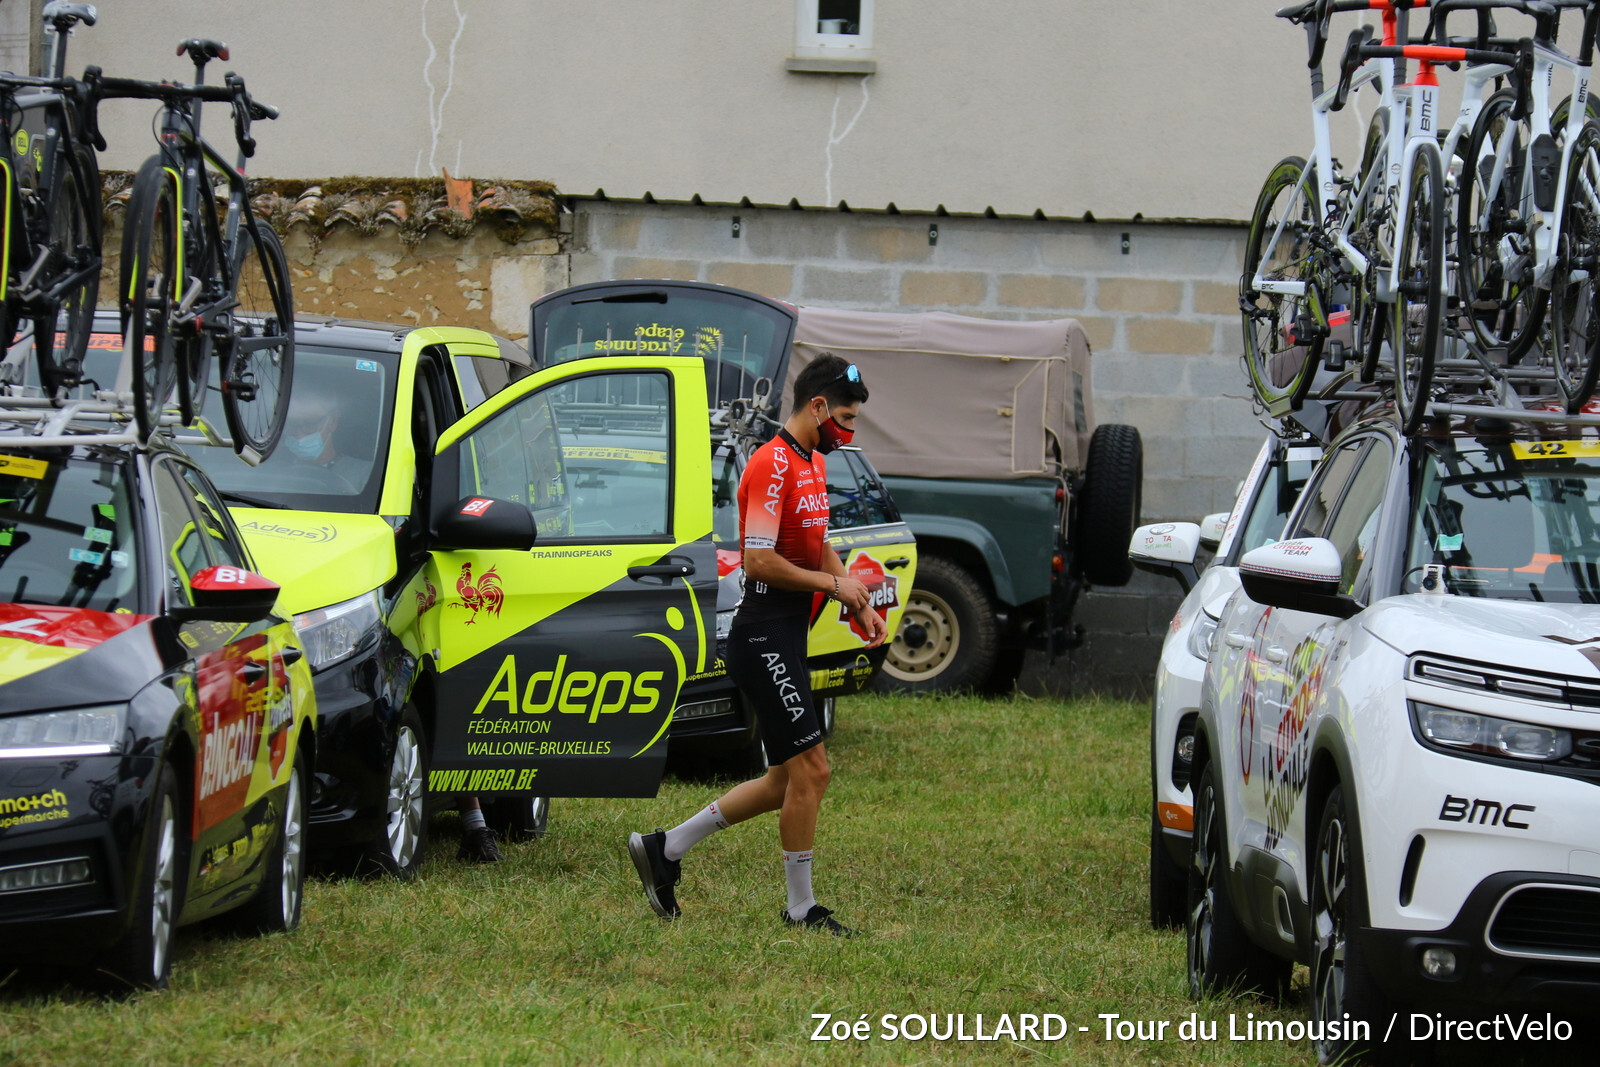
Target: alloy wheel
x=405, y=798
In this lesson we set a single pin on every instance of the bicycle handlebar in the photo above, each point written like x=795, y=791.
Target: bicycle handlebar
x=132, y=89
x=29, y=81
x=231, y=91
x=1433, y=53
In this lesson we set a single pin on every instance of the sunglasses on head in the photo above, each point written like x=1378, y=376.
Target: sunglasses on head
x=849, y=374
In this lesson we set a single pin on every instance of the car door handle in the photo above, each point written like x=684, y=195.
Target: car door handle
x=1276, y=653
x=291, y=656
x=252, y=672
x=898, y=562
x=1237, y=640
x=678, y=569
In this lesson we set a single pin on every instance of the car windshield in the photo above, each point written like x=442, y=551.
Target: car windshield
x=1516, y=520
x=1280, y=488
x=740, y=339
x=335, y=438
x=67, y=532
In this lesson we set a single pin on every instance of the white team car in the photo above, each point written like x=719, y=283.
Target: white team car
x=1262, y=506
x=1398, y=743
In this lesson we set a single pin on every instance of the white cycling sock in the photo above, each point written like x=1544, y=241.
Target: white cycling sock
x=696, y=828
x=472, y=819
x=797, y=872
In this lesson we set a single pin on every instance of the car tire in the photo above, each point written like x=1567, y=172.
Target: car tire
x=142, y=957
x=1169, y=883
x=1342, y=986
x=955, y=614
x=397, y=848
x=1108, y=512
x=827, y=712
x=277, y=904
x=1221, y=956
x=519, y=818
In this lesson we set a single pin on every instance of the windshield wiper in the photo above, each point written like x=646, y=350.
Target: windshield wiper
x=250, y=501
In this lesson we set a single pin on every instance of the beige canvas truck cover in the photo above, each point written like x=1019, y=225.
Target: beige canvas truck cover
x=960, y=397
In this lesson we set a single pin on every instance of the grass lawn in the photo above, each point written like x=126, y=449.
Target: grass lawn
x=992, y=851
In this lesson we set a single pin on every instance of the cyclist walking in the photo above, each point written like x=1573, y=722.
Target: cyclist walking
x=783, y=522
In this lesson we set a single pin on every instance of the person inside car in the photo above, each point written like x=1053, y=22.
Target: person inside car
x=310, y=436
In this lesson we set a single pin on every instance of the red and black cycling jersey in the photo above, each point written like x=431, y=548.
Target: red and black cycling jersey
x=783, y=505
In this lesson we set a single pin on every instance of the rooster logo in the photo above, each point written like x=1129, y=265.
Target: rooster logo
x=485, y=593
x=426, y=597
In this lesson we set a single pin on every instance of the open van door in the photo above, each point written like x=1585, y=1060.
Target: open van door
x=559, y=664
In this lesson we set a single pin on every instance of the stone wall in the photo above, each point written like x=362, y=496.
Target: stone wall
x=474, y=277
x=478, y=281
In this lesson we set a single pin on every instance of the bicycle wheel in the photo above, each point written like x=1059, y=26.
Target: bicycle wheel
x=1370, y=213
x=150, y=289
x=1574, y=287
x=1495, y=275
x=74, y=243
x=1419, y=292
x=259, y=369
x=1283, y=332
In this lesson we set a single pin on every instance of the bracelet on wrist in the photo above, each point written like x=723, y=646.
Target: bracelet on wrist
x=836, y=587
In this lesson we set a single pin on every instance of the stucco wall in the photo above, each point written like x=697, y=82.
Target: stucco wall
x=1141, y=106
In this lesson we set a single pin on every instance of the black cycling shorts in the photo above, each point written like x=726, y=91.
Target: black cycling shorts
x=767, y=661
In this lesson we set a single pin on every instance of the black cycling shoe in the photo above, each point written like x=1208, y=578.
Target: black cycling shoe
x=478, y=845
x=820, y=918
x=658, y=873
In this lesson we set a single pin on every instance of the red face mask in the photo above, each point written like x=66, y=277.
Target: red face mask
x=830, y=435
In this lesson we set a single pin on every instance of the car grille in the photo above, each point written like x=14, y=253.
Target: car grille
x=1554, y=689
x=1552, y=922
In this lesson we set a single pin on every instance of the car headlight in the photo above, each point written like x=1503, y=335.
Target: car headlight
x=1200, y=637
x=335, y=632
x=61, y=734
x=1485, y=734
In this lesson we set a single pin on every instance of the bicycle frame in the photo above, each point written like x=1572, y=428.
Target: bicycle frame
x=185, y=156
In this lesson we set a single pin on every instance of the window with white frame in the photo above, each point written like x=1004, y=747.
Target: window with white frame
x=831, y=28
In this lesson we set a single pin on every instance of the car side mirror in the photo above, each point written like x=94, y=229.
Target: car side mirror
x=1167, y=548
x=1301, y=575
x=1212, y=527
x=482, y=522
x=228, y=594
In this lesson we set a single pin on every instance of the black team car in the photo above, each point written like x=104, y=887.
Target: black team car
x=156, y=714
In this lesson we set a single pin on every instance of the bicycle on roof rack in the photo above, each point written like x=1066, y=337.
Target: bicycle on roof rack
x=194, y=284
x=1375, y=249
x=50, y=217
x=1369, y=249
x=1529, y=222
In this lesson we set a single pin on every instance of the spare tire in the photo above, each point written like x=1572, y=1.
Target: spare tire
x=1109, y=511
